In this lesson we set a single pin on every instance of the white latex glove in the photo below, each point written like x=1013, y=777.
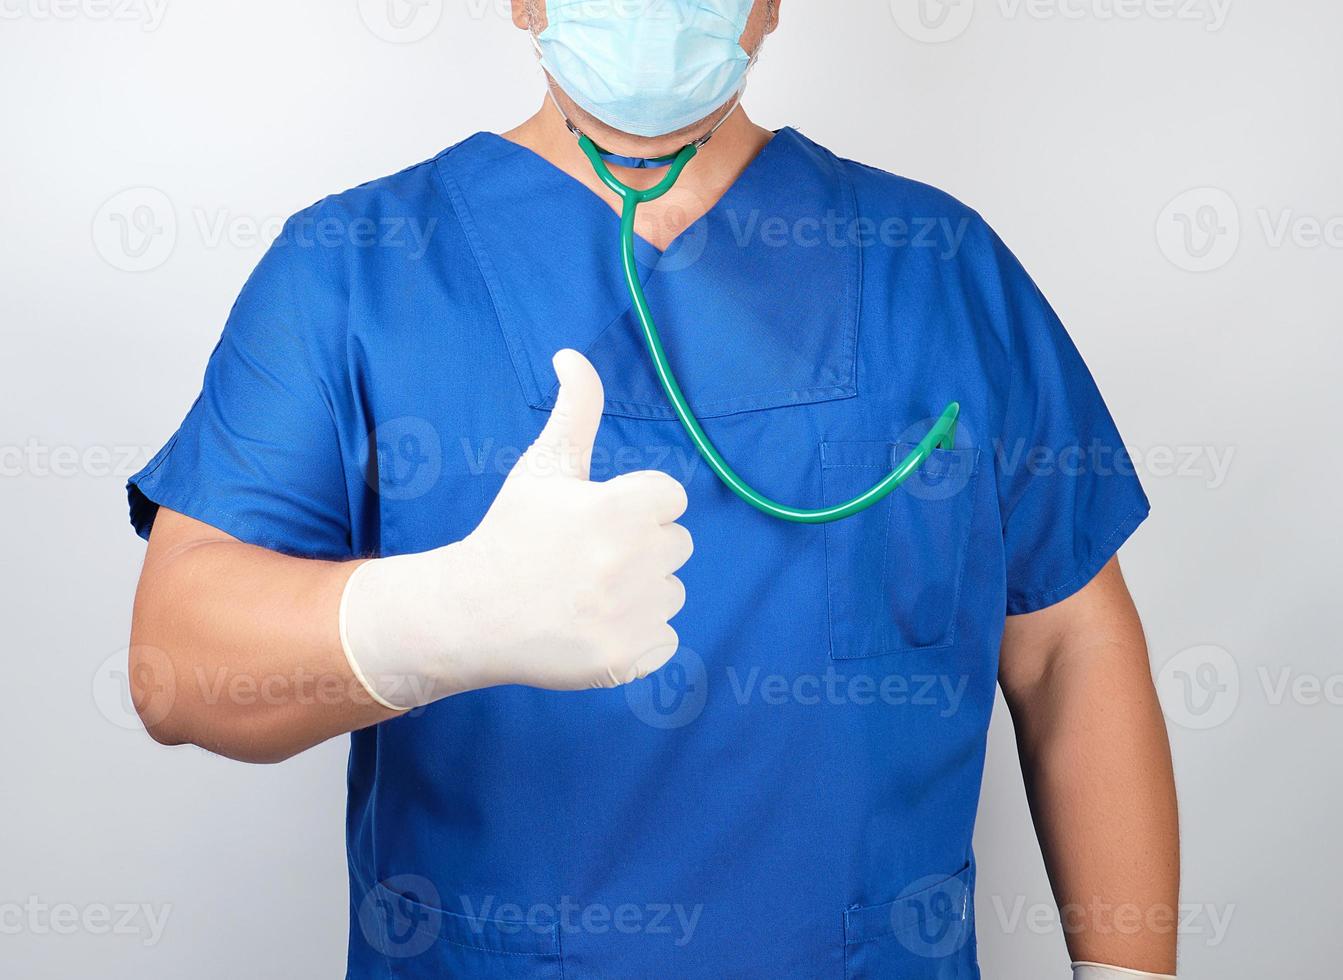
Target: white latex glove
x=565, y=585
x=1098, y=971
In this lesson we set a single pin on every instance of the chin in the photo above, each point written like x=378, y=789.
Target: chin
x=627, y=144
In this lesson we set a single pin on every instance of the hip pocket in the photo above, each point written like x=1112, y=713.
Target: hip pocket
x=894, y=571
x=420, y=941
x=925, y=934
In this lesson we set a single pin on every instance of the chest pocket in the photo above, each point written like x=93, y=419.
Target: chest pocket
x=894, y=571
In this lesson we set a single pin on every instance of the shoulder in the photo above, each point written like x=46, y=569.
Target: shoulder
x=370, y=229
x=881, y=191
x=372, y=232
x=919, y=238
x=907, y=216
x=376, y=210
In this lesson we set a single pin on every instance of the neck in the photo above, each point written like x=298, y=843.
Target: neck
x=716, y=166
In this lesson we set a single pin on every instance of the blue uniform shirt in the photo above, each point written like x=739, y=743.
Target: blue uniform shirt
x=794, y=795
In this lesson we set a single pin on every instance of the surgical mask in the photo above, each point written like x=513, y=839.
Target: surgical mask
x=647, y=67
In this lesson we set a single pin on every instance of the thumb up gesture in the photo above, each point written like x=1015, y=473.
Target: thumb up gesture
x=592, y=565
x=566, y=584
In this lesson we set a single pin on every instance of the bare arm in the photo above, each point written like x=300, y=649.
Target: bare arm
x=1097, y=766
x=237, y=649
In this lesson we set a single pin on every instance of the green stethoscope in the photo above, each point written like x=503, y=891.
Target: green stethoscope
x=941, y=436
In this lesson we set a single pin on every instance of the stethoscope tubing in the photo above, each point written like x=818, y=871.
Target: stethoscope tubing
x=942, y=435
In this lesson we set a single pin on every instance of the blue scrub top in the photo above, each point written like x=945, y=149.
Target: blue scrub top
x=795, y=794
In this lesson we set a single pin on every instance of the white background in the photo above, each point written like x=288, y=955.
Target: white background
x=1212, y=324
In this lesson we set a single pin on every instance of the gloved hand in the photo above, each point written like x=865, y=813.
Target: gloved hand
x=565, y=585
x=1097, y=971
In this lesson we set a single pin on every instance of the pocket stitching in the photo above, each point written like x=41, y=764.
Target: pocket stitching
x=491, y=952
x=552, y=931
x=885, y=551
x=963, y=876
x=966, y=876
x=971, y=485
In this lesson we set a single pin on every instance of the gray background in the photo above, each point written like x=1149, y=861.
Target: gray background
x=1168, y=170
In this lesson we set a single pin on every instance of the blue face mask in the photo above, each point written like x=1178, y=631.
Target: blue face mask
x=647, y=67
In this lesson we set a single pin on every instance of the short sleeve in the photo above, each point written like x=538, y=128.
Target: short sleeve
x=258, y=456
x=1068, y=492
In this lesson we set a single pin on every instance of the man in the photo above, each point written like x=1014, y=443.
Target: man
x=792, y=792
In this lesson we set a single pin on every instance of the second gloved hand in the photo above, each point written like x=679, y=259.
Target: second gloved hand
x=565, y=585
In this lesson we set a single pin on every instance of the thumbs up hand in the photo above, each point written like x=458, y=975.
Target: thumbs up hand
x=589, y=566
x=565, y=585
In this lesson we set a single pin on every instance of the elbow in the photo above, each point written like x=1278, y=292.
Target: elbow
x=176, y=697
x=269, y=756
x=153, y=692
x=171, y=720
x=151, y=673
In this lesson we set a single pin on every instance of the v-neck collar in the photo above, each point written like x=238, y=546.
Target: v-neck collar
x=757, y=307
x=648, y=253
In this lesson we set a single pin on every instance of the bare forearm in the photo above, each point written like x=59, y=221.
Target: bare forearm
x=1098, y=768
x=1097, y=765
x=237, y=649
